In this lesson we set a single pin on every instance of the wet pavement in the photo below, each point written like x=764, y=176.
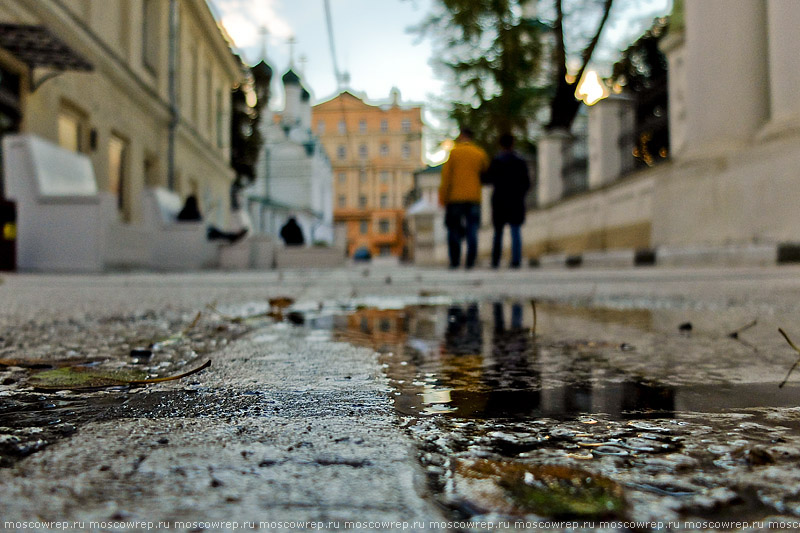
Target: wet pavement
x=485, y=395
x=392, y=398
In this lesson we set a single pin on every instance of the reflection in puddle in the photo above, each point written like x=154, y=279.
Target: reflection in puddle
x=483, y=361
x=681, y=449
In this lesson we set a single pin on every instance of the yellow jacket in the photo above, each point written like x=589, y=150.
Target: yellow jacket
x=461, y=174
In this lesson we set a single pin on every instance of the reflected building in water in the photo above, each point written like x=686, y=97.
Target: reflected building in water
x=483, y=361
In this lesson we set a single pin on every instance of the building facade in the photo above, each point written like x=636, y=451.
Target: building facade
x=100, y=78
x=293, y=173
x=374, y=152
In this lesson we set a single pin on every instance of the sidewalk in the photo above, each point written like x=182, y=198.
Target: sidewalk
x=287, y=425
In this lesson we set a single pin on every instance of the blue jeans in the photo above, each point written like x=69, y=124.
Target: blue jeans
x=516, y=245
x=462, y=221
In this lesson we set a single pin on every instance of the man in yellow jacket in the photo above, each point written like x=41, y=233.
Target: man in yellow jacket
x=460, y=194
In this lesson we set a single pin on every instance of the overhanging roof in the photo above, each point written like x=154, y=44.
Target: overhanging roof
x=37, y=47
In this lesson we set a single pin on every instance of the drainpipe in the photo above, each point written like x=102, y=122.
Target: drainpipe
x=173, y=92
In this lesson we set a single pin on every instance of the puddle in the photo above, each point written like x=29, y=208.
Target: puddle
x=623, y=395
x=484, y=361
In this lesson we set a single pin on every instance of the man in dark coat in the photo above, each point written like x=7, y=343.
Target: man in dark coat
x=508, y=174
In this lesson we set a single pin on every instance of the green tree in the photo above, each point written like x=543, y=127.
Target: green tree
x=641, y=72
x=576, y=28
x=508, y=58
x=247, y=102
x=493, y=54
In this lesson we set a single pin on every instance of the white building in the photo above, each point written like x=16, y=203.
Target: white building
x=140, y=89
x=293, y=176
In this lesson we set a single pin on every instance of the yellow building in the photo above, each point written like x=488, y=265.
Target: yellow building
x=374, y=151
x=99, y=77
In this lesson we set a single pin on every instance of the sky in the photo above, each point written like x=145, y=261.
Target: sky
x=371, y=40
x=373, y=43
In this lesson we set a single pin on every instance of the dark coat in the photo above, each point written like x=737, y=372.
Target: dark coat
x=508, y=174
x=190, y=210
x=292, y=234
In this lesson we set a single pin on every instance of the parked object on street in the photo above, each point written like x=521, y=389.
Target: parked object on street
x=362, y=254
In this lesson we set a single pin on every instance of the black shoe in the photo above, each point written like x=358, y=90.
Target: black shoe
x=238, y=236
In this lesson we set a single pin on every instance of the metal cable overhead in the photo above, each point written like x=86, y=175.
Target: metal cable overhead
x=332, y=43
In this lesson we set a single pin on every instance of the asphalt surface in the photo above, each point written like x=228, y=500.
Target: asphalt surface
x=288, y=429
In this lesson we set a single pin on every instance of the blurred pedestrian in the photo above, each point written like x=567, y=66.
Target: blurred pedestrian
x=508, y=174
x=292, y=233
x=191, y=213
x=460, y=194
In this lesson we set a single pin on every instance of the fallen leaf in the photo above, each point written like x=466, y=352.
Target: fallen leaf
x=82, y=378
x=546, y=490
x=280, y=302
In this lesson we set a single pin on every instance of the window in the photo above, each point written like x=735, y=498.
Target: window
x=406, y=125
x=384, y=126
x=362, y=151
x=384, y=200
x=362, y=176
x=150, y=34
x=342, y=200
x=406, y=151
x=117, y=155
x=362, y=126
x=341, y=152
x=384, y=150
x=364, y=227
x=383, y=225
x=385, y=250
x=342, y=177
x=385, y=176
x=342, y=126
x=320, y=127
x=70, y=129
x=362, y=201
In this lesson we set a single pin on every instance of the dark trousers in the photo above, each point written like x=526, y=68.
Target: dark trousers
x=516, y=245
x=462, y=221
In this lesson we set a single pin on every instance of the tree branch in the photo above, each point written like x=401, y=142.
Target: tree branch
x=586, y=56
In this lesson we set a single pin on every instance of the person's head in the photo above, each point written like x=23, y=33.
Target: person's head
x=466, y=134
x=506, y=141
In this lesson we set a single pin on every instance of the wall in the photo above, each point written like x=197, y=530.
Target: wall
x=127, y=99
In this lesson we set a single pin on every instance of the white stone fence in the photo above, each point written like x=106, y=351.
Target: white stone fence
x=610, y=121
